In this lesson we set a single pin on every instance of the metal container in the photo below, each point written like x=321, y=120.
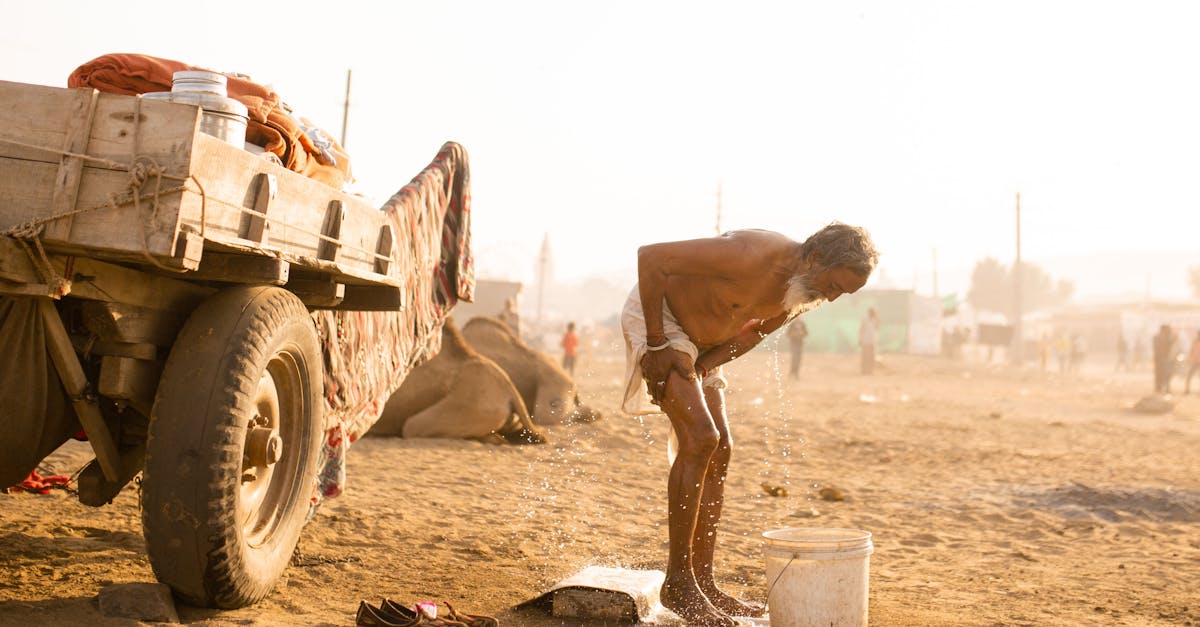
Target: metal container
x=222, y=117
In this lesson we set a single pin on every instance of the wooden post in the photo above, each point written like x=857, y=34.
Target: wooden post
x=266, y=188
x=384, y=248
x=58, y=344
x=70, y=169
x=335, y=215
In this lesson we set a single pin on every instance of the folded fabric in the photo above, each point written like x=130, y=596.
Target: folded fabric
x=37, y=484
x=299, y=144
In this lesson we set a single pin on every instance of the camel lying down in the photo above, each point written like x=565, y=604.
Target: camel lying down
x=548, y=391
x=458, y=394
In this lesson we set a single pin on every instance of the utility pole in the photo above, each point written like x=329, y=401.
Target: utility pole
x=1018, y=339
x=718, y=208
x=935, y=285
x=543, y=275
x=346, y=110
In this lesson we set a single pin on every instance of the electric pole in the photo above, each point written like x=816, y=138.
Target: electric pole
x=1018, y=338
x=346, y=110
x=543, y=275
x=718, y=208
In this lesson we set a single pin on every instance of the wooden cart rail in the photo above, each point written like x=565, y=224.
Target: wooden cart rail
x=129, y=180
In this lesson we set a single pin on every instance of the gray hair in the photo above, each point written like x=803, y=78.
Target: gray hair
x=842, y=245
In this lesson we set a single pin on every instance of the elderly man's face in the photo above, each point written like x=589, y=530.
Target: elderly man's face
x=838, y=280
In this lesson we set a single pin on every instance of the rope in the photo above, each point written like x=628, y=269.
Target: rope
x=141, y=170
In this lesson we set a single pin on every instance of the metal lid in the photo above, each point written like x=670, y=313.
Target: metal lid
x=207, y=101
x=199, y=81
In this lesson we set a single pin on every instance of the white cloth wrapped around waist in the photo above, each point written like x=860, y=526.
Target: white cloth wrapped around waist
x=633, y=326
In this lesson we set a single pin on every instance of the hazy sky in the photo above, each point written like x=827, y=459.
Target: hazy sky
x=610, y=124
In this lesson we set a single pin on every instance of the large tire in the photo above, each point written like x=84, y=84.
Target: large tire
x=241, y=388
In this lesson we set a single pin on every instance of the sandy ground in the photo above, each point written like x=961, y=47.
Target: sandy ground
x=996, y=497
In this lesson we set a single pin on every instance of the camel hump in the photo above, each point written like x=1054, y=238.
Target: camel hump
x=454, y=342
x=488, y=324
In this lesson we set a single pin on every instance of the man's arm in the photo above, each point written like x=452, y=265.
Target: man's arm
x=741, y=344
x=715, y=257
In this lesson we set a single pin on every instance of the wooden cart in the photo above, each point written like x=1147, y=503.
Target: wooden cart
x=175, y=277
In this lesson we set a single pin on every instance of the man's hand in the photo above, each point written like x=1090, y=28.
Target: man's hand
x=657, y=366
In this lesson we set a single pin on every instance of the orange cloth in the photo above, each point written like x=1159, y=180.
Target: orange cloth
x=570, y=342
x=270, y=125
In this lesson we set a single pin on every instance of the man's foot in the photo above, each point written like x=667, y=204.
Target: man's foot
x=691, y=605
x=733, y=607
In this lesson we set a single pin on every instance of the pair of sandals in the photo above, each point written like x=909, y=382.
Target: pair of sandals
x=392, y=614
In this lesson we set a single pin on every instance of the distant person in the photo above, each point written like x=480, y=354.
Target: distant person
x=1122, y=353
x=796, y=333
x=570, y=344
x=510, y=317
x=868, y=337
x=697, y=305
x=1164, y=359
x=1078, y=351
x=1044, y=350
x=1193, y=363
x=1062, y=351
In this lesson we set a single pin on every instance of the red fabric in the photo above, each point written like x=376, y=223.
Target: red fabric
x=269, y=126
x=38, y=484
x=570, y=342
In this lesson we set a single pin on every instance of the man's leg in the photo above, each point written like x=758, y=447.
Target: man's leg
x=712, y=499
x=698, y=439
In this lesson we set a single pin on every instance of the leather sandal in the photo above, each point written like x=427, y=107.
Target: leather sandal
x=371, y=616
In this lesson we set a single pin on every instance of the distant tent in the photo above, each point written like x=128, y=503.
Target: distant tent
x=909, y=323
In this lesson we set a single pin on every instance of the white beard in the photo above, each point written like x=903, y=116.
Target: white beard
x=799, y=297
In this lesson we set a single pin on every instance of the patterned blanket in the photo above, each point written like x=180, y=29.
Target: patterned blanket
x=368, y=354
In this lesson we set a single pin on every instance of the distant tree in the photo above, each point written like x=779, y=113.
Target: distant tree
x=1194, y=279
x=992, y=288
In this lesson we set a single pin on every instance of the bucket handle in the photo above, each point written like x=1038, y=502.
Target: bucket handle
x=781, y=571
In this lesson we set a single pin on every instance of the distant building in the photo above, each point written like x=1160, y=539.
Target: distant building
x=909, y=323
x=490, y=297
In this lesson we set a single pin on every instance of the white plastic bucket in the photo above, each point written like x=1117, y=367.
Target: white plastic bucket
x=818, y=576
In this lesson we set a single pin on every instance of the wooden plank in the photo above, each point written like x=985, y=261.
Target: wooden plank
x=123, y=128
x=297, y=214
x=131, y=380
x=15, y=265
x=95, y=490
x=27, y=193
x=231, y=268
x=168, y=134
x=70, y=169
x=89, y=346
x=372, y=298
x=318, y=293
x=266, y=187
x=40, y=116
x=120, y=322
x=97, y=280
x=58, y=344
x=27, y=289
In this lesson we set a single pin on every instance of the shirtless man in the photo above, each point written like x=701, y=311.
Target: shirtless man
x=699, y=304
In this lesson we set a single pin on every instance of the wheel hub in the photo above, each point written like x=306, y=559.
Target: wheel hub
x=264, y=447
